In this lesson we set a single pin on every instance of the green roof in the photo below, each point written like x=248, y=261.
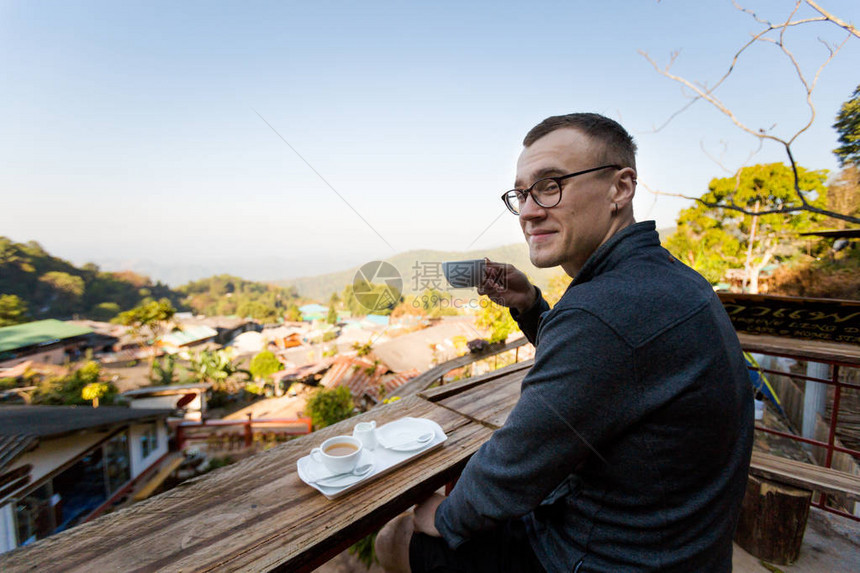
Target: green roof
x=39, y=332
x=189, y=334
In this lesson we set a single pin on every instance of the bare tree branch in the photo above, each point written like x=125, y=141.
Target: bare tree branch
x=828, y=16
x=703, y=92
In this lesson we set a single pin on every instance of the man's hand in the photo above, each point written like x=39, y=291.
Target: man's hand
x=506, y=285
x=425, y=515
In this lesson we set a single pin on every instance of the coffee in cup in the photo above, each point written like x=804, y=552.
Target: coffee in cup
x=339, y=454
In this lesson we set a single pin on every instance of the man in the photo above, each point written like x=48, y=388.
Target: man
x=629, y=447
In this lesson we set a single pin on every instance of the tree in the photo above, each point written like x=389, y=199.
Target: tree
x=264, y=365
x=148, y=321
x=331, y=317
x=215, y=367
x=557, y=286
x=163, y=371
x=774, y=34
x=66, y=291
x=69, y=390
x=497, y=319
x=293, y=314
x=13, y=310
x=150, y=318
x=104, y=311
x=848, y=126
x=711, y=239
x=327, y=407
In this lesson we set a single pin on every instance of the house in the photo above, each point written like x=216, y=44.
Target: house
x=185, y=337
x=311, y=312
x=189, y=397
x=49, y=341
x=63, y=465
x=227, y=327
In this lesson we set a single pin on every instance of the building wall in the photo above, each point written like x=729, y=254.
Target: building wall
x=52, y=356
x=52, y=454
x=139, y=463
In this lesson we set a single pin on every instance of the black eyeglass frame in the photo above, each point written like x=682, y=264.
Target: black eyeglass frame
x=507, y=196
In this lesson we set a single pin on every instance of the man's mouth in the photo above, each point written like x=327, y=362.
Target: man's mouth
x=540, y=235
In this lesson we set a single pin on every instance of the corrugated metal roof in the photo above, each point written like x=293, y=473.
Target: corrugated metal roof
x=50, y=421
x=39, y=332
x=188, y=334
x=362, y=377
x=13, y=446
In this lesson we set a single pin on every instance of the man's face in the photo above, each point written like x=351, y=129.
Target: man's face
x=570, y=232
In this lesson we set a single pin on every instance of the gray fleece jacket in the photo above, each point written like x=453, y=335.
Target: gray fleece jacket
x=630, y=445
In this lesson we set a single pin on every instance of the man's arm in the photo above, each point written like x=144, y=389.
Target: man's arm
x=568, y=409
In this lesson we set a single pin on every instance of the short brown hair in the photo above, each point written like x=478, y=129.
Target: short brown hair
x=618, y=145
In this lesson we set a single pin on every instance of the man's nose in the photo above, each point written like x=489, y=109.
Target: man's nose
x=530, y=209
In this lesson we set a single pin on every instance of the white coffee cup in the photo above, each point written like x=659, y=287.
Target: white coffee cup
x=366, y=434
x=464, y=274
x=339, y=454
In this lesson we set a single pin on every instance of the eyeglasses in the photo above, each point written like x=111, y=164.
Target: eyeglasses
x=545, y=192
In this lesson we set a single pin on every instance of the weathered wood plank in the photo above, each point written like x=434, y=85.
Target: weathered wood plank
x=489, y=403
x=441, y=392
x=425, y=379
x=256, y=515
x=806, y=476
x=845, y=354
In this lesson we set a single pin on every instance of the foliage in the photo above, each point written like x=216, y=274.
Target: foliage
x=835, y=276
x=95, y=391
x=712, y=240
x=215, y=367
x=264, y=365
x=497, y=319
x=13, y=310
x=163, y=371
x=64, y=292
x=327, y=407
x=330, y=351
x=380, y=294
x=229, y=295
x=843, y=195
x=149, y=320
x=69, y=390
x=435, y=303
x=363, y=349
x=54, y=288
x=848, y=126
x=293, y=314
x=365, y=551
x=331, y=317
x=557, y=286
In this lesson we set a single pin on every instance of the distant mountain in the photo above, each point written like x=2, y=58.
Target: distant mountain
x=413, y=267
x=417, y=268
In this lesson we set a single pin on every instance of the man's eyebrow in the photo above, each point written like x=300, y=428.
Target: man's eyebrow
x=543, y=173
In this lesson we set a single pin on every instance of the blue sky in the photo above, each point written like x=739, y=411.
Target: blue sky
x=129, y=131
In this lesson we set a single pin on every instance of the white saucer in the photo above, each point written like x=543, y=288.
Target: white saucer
x=312, y=471
x=402, y=435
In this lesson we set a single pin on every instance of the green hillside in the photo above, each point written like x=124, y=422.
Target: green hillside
x=36, y=285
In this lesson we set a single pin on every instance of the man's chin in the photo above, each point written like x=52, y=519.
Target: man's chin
x=542, y=260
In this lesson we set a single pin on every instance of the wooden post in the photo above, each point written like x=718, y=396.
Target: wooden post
x=773, y=520
x=249, y=434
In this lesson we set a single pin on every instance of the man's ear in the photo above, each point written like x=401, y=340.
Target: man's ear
x=624, y=187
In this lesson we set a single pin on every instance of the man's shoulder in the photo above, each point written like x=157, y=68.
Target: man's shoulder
x=641, y=296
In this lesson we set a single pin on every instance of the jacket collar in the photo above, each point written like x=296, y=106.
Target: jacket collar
x=618, y=248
